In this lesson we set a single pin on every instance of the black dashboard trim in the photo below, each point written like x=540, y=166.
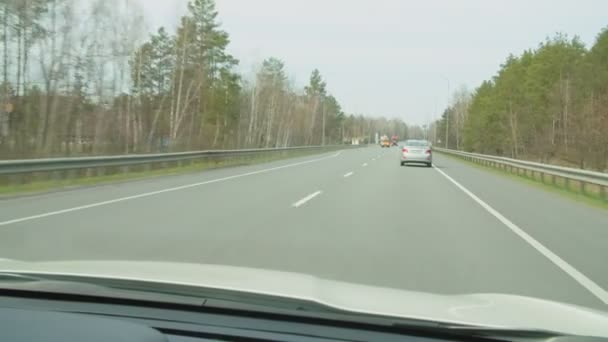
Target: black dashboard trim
x=303, y=317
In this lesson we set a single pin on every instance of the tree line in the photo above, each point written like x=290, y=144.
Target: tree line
x=548, y=104
x=84, y=78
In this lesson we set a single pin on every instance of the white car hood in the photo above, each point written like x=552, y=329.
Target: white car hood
x=493, y=310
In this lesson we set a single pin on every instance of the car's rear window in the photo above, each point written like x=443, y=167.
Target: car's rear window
x=416, y=143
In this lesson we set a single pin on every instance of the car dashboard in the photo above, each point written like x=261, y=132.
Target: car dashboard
x=58, y=318
x=51, y=317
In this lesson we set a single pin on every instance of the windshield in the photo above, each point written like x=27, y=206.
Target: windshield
x=269, y=136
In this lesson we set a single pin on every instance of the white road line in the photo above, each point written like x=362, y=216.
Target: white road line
x=373, y=159
x=152, y=193
x=349, y=174
x=364, y=164
x=306, y=199
x=587, y=283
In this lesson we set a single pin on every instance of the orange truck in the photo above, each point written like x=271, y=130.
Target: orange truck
x=384, y=142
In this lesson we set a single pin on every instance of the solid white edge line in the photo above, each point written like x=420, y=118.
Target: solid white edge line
x=364, y=164
x=349, y=174
x=587, y=283
x=152, y=193
x=306, y=199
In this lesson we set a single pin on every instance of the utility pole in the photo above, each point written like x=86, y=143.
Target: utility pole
x=447, y=115
x=323, y=109
x=435, y=124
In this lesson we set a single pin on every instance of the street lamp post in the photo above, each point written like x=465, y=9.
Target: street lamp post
x=323, y=137
x=435, y=124
x=447, y=115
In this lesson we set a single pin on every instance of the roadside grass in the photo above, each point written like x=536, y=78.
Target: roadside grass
x=36, y=183
x=589, y=194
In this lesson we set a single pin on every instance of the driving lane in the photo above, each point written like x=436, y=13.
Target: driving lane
x=409, y=228
x=355, y=216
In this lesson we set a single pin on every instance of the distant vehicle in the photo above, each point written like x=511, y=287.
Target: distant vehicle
x=417, y=151
x=395, y=140
x=384, y=142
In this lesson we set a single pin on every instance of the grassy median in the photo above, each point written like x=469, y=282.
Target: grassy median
x=589, y=194
x=40, y=182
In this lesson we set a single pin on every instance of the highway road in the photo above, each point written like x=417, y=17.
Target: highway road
x=353, y=215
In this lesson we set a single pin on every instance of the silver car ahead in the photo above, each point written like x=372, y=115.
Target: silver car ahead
x=417, y=151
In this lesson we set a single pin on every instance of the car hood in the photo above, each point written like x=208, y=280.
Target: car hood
x=491, y=310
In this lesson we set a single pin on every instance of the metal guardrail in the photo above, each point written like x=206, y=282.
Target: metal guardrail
x=582, y=177
x=10, y=167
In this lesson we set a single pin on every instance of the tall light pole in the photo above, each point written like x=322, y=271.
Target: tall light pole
x=435, y=124
x=447, y=114
x=323, y=109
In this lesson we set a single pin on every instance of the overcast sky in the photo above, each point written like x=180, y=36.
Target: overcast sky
x=391, y=57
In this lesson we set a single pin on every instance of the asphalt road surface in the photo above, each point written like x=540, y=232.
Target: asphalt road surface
x=354, y=215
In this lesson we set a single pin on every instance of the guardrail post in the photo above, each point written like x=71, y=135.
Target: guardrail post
x=603, y=196
x=71, y=174
x=56, y=175
x=583, y=188
x=16, y=179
